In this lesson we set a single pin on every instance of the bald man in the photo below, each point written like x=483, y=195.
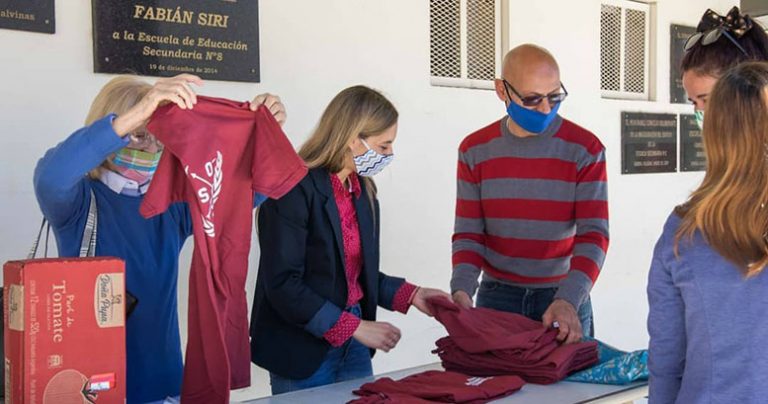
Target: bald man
x=531, y=211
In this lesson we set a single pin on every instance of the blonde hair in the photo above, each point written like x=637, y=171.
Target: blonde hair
x=356, y=111
x=729, y=205
x=116, y=97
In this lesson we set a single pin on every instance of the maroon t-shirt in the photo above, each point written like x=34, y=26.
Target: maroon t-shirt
x=216, y=156
x=449, y=387
x=486, y=342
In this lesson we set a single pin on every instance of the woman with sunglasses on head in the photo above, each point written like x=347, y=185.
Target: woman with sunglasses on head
x=112, y=159
x=707, y=284
x=721, y=42
x=319, y=284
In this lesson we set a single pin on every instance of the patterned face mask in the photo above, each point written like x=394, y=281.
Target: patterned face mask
x=371, y=163
x=136, y=165
x=699, y=114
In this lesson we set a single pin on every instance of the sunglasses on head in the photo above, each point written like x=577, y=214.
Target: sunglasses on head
x=711, y=36
x=534, y=100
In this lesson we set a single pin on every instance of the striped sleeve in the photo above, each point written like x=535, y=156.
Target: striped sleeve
x=591, y=240
x=469, y=229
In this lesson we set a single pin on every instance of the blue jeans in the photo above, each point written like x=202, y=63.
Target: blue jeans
x=530, y=302
x=349, y=361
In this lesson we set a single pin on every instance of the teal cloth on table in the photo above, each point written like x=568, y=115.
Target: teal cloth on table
x=615, y=366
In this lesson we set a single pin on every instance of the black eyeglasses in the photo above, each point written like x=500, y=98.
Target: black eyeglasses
x=710, y=37
x=534, y=100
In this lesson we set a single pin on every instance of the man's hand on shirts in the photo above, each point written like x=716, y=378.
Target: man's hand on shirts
x=424, y=294
x=565, y=315
x=463, y=299
x=377, y=335
x=274, y=104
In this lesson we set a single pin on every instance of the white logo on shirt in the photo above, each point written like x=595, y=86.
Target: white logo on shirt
x=476, y=381
x=208, y=193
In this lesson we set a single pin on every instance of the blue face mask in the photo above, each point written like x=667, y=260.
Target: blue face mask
x=529, y=119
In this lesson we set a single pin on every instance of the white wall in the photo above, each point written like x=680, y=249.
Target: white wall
x=312, y=49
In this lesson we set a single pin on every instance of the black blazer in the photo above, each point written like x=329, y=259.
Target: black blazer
x=301, y=287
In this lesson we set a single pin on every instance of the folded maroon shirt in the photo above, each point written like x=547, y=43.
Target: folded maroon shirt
x=480, y=329
x=555, y=367
x=383, y=398
x=446, y=387
x=485, y=342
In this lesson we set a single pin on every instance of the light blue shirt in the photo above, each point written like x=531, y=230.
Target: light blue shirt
x=707, y=325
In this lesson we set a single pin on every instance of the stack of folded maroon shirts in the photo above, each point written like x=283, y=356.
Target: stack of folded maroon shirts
x=438, y=386
x=485, y=342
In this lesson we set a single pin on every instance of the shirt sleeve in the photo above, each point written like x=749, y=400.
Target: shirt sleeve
x=342, y=330
x=60, y=175
x=666, y=324
x=404, y=297
x=347, y=324
x=276, y=166
x=469, y=229
x=591, y=240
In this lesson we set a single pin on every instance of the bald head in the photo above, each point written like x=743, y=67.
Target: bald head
x=529, y=59
x=530, y=71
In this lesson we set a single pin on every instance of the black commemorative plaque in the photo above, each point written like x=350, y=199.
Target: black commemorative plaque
x=648, y=143
x=214, y=39
x=28, y=15
x=692, y=156
x=679, y=34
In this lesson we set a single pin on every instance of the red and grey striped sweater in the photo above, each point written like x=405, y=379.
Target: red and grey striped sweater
x=531, y=211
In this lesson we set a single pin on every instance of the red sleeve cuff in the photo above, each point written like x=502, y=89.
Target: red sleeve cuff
x=403, y=297
x=342, y=330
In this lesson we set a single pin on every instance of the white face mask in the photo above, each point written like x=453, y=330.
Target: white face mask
x=371, y=163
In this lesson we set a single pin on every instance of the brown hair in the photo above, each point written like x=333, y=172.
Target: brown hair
x=355, y=111
x=715, y=58
x=116, y=97
x=729, y=205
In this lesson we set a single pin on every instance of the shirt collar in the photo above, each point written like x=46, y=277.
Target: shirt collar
x=354, y=184
x=120, y=184
x=353, y=188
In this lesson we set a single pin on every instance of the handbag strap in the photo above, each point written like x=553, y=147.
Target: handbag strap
x=87, y=246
